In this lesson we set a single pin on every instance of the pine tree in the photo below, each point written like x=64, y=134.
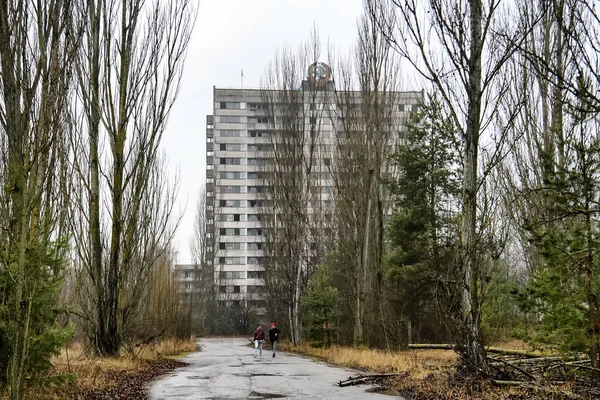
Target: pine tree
x=423, y=229
x=564, y=288
x=320, y=309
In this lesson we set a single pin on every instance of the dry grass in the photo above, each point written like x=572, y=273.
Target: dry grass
x=169, y=348
x=88, y=368
x=100, y=373
x=431, y=373
x=419, y=363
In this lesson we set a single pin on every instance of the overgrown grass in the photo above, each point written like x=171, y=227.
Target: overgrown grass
x=431, y=373
x=84, y=373
x=419, y=363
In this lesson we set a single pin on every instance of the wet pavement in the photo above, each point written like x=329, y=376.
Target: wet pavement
x=226, y=369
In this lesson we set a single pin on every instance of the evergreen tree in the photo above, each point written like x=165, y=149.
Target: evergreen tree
x=320, y=309
x=564, y=287
x=423, y=229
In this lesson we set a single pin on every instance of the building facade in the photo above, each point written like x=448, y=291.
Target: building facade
x=239, y=143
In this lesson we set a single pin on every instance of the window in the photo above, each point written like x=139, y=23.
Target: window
x=229, y=105
x=252, y=161
x=230, y=175
x=254, y=260
x=255, y=289
x=236, y=217
x=254, y=232
x=257, y=106
x=229, y=203
x=229, y=133
x=229, y=232
x=253, y=189
x=187, y=274
x=255, y=246
x=252, y=175
x=230, y=189
x=252, y=147
x=255, y=203
x=327, y=161
x=232, y=260
x=414, y=107
x=313, y=120
x=230, y=161
x=256, y=275
x=232, y=275
x=229, y=246
x=253, y=217
x=222, y=289
x=230, y=119
x=230, y=147
x=236, y=289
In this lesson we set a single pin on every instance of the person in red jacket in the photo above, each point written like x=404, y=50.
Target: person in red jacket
x=259, y=336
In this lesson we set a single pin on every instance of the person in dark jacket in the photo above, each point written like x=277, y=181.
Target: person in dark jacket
x=259, y=336
x=274, y=336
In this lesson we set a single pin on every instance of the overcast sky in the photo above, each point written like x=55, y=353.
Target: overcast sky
x=230, y=36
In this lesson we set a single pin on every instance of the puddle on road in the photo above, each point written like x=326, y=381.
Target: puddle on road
x=256, y=395
x=197, y=377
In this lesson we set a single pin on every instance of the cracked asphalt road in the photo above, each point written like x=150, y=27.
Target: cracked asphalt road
x=226, y=369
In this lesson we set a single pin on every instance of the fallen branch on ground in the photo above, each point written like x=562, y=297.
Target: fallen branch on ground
x=361, y=379
x=521, y=370
x=433, y=346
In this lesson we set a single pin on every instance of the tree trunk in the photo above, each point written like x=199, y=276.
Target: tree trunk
x=94, y=171
x=471, y=307
x=359, y=312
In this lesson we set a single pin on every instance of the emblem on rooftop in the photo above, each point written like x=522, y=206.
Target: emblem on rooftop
x=319, y=73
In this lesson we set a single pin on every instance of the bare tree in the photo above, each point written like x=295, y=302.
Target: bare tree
x=367, y=127
x=292, y=191
x=450, y=44
x=129, y=69
x=203, y=295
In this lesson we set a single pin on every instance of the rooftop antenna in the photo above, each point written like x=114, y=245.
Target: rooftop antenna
x=242, y=78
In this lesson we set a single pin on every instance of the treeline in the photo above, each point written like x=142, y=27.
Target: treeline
x=86, y=208
x=479, y=221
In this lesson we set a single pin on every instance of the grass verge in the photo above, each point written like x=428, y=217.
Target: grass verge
x=125, y=376
x=431, y=374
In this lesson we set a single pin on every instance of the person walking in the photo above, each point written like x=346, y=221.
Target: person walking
x=259, y=336
x=274, y=336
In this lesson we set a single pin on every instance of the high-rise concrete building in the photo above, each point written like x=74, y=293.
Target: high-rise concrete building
x=238, y=142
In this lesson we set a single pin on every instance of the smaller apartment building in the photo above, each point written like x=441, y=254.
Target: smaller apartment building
x=188, y=278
